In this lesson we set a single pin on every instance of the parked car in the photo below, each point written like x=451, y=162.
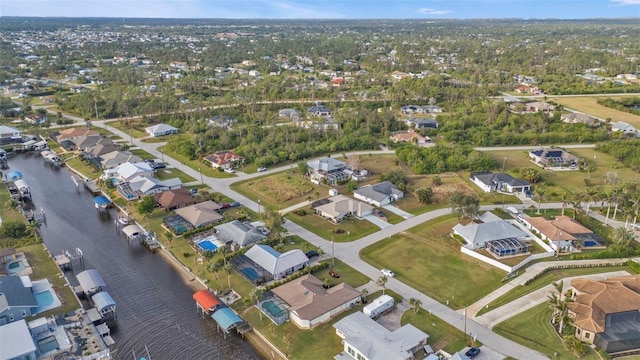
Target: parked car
x=230, y=171
x=528, y=193
x=225, y=206
x=387, y=273
x=261, y=169
x=379, y=213
x=235, y=204
x=193, y=191
x=312, y=253
x=158, y=165
x=473, y=352
x=149, y=160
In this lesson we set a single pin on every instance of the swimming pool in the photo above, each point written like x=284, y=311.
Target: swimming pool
x=15, y=267
x=46, y=300
x=48, y=344
x=250, y=273
x=589, y=243
x=272, y=308
x=207, y=245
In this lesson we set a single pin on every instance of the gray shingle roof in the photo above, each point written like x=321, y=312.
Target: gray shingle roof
x=15, y=293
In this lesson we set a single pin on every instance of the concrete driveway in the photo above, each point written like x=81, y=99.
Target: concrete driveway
x=377, y=221
x=396, y=210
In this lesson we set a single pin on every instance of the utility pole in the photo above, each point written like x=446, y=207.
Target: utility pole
x=333, y=257
x=504, y=162
x=201, y=178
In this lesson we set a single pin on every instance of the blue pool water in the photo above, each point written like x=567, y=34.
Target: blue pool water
x=44, y=298
x=48, y=344
x=15, y=267
x=589, y=243
x=207, y=245
x=250, y=273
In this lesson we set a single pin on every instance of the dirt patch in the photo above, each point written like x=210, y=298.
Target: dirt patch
x=439, y=345
x=441, y=193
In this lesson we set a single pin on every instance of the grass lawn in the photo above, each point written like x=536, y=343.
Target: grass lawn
x=532, y=329
x=571, y=181
x=428, y=259
x=44, y=267
x=134, y=127
x=546, y=279
x=344, y=231
x=196, y=164
x=589, y=105
x=169, y=173
x=347, y=274
x=281, y=190
x=81, y=167
x=441, y=335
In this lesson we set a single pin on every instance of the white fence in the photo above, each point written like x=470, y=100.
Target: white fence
x=502, y=266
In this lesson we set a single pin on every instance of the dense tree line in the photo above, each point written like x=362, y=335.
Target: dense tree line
x=441, y=158
x=627, y=152
x=628, y=104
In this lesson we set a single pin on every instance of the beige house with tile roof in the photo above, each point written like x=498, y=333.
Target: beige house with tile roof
x=341, y=206
x=311, y=304
x=607, y=313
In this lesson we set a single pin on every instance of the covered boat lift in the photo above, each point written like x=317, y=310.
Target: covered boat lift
x=105, y=304
x=206, y=302
x=91, y=282
x=227, y=320
x=133, y=232
x=23, y=188
x=102, y=202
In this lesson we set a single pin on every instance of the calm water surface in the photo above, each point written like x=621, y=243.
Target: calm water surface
x=154, y=306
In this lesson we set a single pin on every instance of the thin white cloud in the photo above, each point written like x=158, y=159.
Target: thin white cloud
x=428, y=11
x=626, y=2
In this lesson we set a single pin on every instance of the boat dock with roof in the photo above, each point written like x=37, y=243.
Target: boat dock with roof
x=225, y=318
x=134, y=232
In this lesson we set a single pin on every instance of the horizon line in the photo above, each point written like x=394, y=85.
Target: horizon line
x=307, y=19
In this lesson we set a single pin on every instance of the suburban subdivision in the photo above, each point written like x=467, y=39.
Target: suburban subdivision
x=218, y=188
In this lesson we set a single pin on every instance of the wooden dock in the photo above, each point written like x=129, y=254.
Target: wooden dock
x=92, y=187
x=150, y=242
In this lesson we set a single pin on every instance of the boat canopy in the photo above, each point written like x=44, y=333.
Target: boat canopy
x=132, y=230
x=14, y=175
x=103, y=302
x=206, y=300
x=21, y=184
x=90, y=281
x=40, y=143
x=101, y=200
x=226, y=318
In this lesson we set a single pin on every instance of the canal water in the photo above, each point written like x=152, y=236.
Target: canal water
x=155, y=307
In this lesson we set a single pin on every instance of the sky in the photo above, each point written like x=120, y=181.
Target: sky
x=325, y=9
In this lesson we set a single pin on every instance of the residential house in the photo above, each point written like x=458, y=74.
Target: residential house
x=292, y=114
x=329, y=169
x=554, y=158
x=239, y=234
x=365, y=339
x=127, y=171
x=422, y=123
x=539, y=106
x=83, y=142
x=223, y=121
x=74, y=133
x=201, y=214
x=420, y=109
x=174, y=199
x=101, y=148
x=279, y=265
x=16, y=299
x=413, y=137
x=494, y=234
x=161, y=130
x=624, y=128
x=378, y=194
x=16, y=342
x=142, y=185
x=9, y=134
x=17, y=89
x=606, y=313
x=490, y=182
x=223, y=159
x=580, y=118
x=36, y=118
x=309, y=303
x=339, y=207
x=116, y=158
x=563, y=233
x=319, y=110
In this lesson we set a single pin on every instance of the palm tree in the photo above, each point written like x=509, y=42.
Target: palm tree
x=256, y=295
x=558, y=304
x=538, y=197
x=363, y=295
x=622, y=237
x=227, y=267
x=214, y=268
x=415, y=303
x=34, y=228
x=565, y=200
x=382, y=282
